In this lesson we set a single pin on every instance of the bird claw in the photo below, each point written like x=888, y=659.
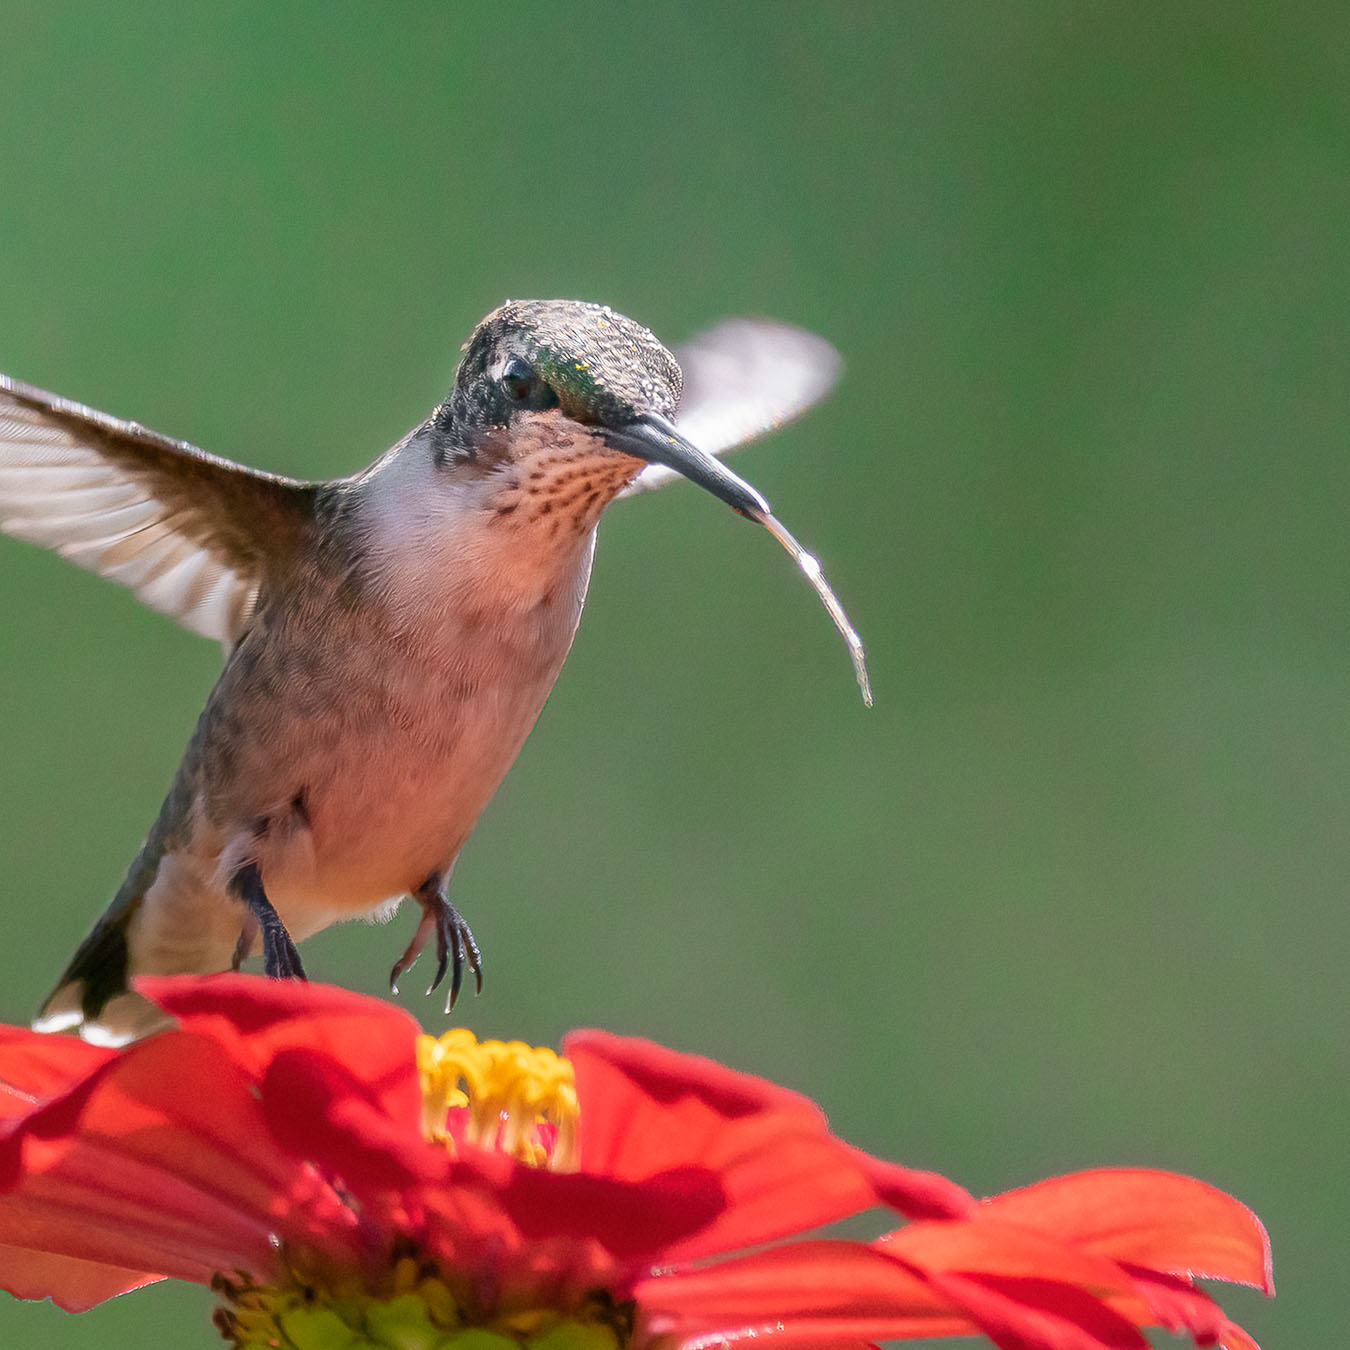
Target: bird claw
x=414, y=949
x=281, y=961
x=455, y=947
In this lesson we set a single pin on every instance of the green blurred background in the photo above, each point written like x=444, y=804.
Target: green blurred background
x=1075, y=891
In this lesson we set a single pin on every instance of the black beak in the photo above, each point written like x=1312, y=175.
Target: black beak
x=655, y=439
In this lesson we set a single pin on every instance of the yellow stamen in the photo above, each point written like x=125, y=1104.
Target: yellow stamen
x=503, y=1095
x=515, y=1097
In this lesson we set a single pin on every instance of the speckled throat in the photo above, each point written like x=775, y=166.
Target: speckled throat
x=557, y=480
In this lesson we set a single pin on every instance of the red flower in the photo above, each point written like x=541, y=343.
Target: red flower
x=276, y=1139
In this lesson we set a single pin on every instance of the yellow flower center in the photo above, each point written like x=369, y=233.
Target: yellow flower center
x=511, y=1097
x=501, y=1095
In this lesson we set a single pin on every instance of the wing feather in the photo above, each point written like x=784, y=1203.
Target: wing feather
x=189, y=533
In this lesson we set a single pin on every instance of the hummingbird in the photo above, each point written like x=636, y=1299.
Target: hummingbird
x=390, y=637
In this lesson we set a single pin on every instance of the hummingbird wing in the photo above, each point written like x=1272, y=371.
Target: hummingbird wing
x=744, y=377
x=189, y=533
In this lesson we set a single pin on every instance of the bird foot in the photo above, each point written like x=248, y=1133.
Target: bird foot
x=281, y=961
x=455, y=947
x=248, y=933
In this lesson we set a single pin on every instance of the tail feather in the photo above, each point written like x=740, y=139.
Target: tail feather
x=93, y=994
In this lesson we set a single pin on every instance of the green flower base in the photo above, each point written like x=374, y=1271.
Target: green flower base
x=428, y=1317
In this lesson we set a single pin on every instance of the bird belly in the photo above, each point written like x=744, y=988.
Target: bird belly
x=385, y=813
x=380, y=757
x=375, y=813
x=349, y=747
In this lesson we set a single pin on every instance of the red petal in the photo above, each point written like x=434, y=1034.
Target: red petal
x=989, y=1247
x=253, y=1019
x=1179, y=1306
x=647, y=1110
x=166, y=1166
x=630, y=1221
x=34, y=1067
x=1025, y=1313
x=824, y=1292
x=828, y=1291
x=321, y=1112
x=1158, y=1220
x=50, y=1118
x=914, y=1193
x=1010, y=1262
x=81, y=1284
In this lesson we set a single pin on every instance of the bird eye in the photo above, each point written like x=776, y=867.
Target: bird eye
x=525, y=388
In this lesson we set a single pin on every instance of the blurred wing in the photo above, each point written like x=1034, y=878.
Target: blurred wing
x=189, y=533
x=742, y=378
